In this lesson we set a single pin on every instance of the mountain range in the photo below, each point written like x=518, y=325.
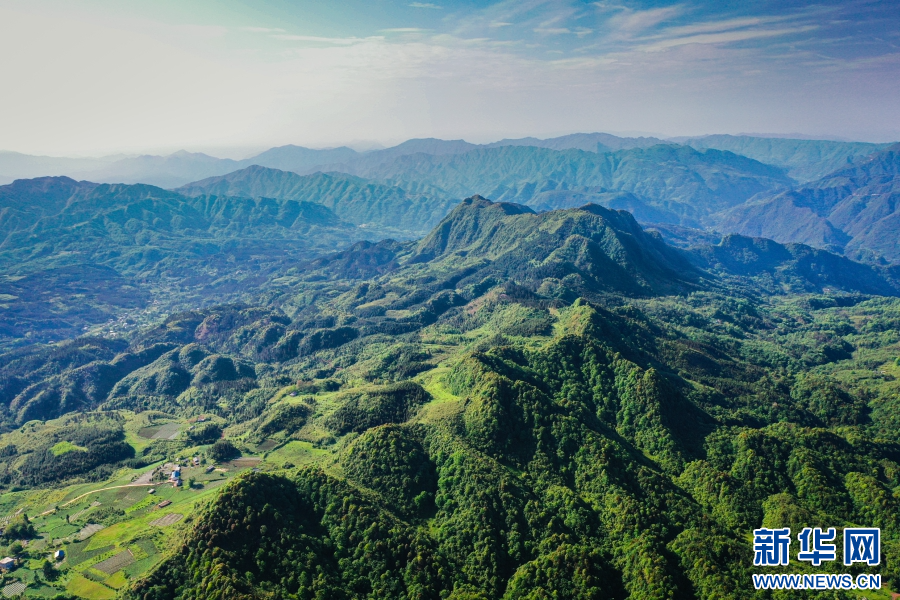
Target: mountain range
x=662, y=185
x=803, y=160
x=359, y=201
x=689, y=190
x=516, y=405
x=687, y=184
x=227, y=236
x=855, y=210
x=540, y=259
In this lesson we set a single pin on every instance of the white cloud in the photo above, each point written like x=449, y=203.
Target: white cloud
x=324, y=40
x=404, y=30
x=634, y=21
x=425, y=5
x=717, y=26
x=725, y=37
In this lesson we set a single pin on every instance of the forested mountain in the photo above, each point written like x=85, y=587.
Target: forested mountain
x=131, y=241
x=792, y=267
x=803, y=160
x=53, y=220
x=611, y=448
x=854, y=210
x=596, y=248
x=117, y=246
x=517, y=405
x=377, y=389
x=686, y=184
x=353, y=199
x=660, y=184
x=74, y=253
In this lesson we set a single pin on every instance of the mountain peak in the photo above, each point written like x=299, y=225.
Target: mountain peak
x=480, y=202
x=599, y=248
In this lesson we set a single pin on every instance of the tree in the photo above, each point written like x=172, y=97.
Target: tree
x=49, y=570
x=204, y=433
x=223, y=451
x=20, y=529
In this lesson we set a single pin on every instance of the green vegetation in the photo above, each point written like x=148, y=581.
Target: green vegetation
x=103, y=250
x=223, y=451
x=118, y=257
x=519, y=405
x=66, y=446
x=19, y=528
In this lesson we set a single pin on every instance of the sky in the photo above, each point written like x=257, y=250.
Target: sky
x=231, y=77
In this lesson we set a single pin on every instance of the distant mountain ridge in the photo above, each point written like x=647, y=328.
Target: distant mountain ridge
x=354, y=199
x=804, y=160
x=15, y=165
x=661, y=183
x=591, y=142
x=795, y=266
x=855, y=210
x=687, y=184
x=298, y=158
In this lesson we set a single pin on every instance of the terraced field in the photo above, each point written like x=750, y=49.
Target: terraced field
x=169, y=431
x=113, y=531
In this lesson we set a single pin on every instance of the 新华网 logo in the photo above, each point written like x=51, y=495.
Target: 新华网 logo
x=771, y=547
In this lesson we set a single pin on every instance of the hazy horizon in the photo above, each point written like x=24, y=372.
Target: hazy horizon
x=244, y=153
x=102, y=77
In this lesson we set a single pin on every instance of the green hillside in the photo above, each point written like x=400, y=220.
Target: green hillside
x=518, y=405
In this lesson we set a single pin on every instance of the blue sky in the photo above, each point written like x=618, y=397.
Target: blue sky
x=225, y=76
